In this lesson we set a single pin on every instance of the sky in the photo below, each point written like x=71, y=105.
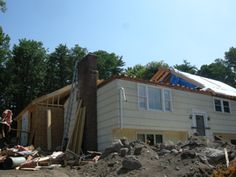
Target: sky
x=139, y=30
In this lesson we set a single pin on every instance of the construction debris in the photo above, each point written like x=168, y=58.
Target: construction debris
x=194, y=158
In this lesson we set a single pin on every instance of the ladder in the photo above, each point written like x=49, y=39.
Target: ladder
x=72, y=97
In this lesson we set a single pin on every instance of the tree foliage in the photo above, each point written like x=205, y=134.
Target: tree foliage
x=135, y=71
x=186, y=67
x=3, y=5
x=218, y=70
x=27, y=72
x=59, y=69
x=4, y=57
x=108, y=64
x=145, y=71
x=230, y=57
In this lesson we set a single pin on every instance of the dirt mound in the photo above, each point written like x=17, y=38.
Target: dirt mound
x=195, y=158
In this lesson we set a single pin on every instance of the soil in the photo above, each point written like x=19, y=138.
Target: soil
x=191, y=159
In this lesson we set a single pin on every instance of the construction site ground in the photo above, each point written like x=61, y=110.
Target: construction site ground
x=195, y=158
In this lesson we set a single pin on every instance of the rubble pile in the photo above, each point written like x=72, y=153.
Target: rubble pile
x=28, y=158
x=195, y=158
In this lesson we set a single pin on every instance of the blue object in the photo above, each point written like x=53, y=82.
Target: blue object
x=176, y=80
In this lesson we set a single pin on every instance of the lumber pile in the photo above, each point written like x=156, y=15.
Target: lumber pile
x=75, y=139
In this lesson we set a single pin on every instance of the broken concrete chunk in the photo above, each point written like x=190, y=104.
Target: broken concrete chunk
x=138, y=150
x=131, y=163
x=174, y=151
x=214, y=155
x=115, y=147
x=124, y=152
x=124, y=142
x=188, y=154
x=163, y=152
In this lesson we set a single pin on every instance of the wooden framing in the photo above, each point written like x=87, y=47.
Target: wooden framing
x=44, y=126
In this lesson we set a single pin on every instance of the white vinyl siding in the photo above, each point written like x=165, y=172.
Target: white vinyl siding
x=154, y=98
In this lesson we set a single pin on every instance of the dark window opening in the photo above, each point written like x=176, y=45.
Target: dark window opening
x=226, y=106
x=150, y=139
x=159, y=138
x=218, y=105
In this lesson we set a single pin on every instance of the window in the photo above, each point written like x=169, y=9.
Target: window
x=222, y=105
x=167, y=99
x=141, y=137
x=154, y=98
x=152, y=139
x=159, y=138
x=142, y=96
x=218, y=105
x=226, y=106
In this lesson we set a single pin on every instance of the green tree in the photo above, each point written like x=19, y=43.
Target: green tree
x=152, y=68
x=59, y=68
x=4, y=57
x=186, y=67
x=77, y=53
x=108, y=64
x=135, y=71
x=230, y=57
x=218, y=70
x=2, y=5
x=27, y=72
x=147, y=71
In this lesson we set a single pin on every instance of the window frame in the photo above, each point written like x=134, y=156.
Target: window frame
x=163, y=107
x=150, y=133
x=160, y=95
x=222, y=105
x=146, y=97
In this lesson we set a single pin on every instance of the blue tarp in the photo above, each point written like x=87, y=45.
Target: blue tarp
x=176, y=80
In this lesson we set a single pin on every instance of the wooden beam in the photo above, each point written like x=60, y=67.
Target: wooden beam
x=58, y=100
x=52, y=105
x=49, y=129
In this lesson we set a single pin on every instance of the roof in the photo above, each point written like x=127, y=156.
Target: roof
x=206, y=83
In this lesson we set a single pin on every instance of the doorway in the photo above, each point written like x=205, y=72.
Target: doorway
x=200, y=125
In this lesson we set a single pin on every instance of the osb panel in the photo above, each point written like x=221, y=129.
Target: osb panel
x=39, y=125
x=131, y=134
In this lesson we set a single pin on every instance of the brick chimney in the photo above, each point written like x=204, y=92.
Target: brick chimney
x=87, y=79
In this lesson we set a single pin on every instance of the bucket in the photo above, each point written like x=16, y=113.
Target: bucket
x=12, y=162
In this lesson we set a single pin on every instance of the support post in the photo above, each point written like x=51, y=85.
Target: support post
x=49, y=129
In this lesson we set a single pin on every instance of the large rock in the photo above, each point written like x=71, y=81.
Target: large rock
x=124, y=152
x=138, y=150
x=131, y=163
x=214, y=155
x=115, y=147
x=188, y=154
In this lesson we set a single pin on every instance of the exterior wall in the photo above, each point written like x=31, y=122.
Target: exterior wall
x=168, y=136
x=107, y=113
x=181, y=119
